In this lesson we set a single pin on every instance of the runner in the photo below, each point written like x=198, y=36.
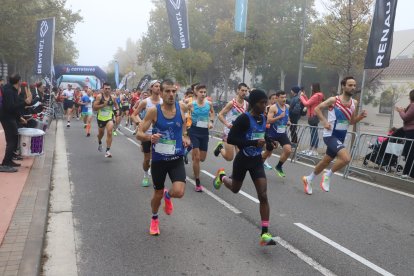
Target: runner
x=86, y=104
x=188, y=98
x=227, y=116
x=341, y=114
x=202, y=118
x=167, y=144
x=68, y=96
x=271, y=101
x=104, y=104
x=77, y=99
x=278, y=119
x=247, y=133
x=117, y=112
x=125, y=107
x=144, y=106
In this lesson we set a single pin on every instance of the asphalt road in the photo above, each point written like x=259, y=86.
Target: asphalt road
x=355, y=229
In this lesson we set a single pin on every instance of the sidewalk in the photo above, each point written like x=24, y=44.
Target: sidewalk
x=24, y=198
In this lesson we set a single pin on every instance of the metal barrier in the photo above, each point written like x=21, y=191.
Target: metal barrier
x=382, y=155
x=308, y=136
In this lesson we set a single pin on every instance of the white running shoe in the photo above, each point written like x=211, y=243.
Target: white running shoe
x=267, y=166
x=108, y=154
x=325, y=182
x=307, y=185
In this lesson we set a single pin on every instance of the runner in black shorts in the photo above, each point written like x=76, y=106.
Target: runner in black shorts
x=247, y=133
x=168, y=142
x=278, y=122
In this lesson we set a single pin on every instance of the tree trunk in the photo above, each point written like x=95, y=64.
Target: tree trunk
x=282, y=79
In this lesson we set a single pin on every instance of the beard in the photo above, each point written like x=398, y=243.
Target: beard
x=349, y=93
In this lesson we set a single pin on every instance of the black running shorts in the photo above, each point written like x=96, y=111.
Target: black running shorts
x=175, y=170
x=243, y=164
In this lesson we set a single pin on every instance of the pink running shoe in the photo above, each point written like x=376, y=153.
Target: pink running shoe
x=154, y=227
x=198, y=189
x=168, y=206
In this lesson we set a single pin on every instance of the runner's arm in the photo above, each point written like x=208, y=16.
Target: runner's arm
x=357, y=118
x=237, y=133
x=145, y=124
x=222, y=114
x=138, y=110
x=324, y=105
x=270, y=115
x=96, y=105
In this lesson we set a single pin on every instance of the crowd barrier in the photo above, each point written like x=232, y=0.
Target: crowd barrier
x=382, y=155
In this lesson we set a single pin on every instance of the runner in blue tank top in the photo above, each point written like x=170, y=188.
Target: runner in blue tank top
x=341, y=114
x=167, y=142
x=248, y=134
x=278, y=122
x=202, y=117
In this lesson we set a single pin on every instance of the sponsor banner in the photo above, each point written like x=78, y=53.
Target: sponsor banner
x=45, y=36
x=143, y=82
x=380, y=40
x=81, y=71
x=125, y=79
x=177, y=15
x=240, y=16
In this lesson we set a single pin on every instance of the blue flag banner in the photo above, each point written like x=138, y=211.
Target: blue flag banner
x=45, y=39
x=382, y=30
x=116, y=73
x=240, y=17
x=177, y=15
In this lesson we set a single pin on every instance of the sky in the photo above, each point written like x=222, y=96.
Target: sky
x=106, y=25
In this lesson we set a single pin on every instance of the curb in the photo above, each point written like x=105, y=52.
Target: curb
x=38, y=185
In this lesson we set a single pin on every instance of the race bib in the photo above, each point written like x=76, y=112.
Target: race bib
x=105, y=113
x=165, y=146
x=342, y=125
x=202, y=122
x=281, y=129
x=258, y=135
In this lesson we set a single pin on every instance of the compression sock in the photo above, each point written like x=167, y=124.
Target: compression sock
x=279, y=165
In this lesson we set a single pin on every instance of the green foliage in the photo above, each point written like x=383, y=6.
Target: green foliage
x=18, y=32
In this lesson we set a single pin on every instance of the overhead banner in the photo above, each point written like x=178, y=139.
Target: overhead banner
x=177, y=15
x=45, y=40
x=240, y=16
x=143, y=82
x=382, y=30
x=116, y=73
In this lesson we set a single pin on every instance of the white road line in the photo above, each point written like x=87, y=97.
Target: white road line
x=304, y=257
x=227, y=205
x=352, y=178
x=344, y=250
x=133, y=142
x=240, y=192
x=128, y=129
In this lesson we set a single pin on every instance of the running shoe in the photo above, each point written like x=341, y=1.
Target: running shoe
x=280, y=172
x=115, y=133
x=154, y=227
x=267, y=166
x=218, y=148
x=325, y=182
x=199, y=189
x=68, y=124
x=217, y=181
x=168, y=205
x=108, y=154
x=100, y=147
x=145, y=181
x=88, y=135
x=266, y=239
x=307, y=185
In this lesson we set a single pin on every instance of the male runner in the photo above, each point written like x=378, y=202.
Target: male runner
x=125, y=107
x=341, y=114
x=167, y=144
x=144, y=106
x=202, y=118
x=87, y=111
x=278, y=119
x=104, y=104
x=270, y=102
x=248, y=133
x=227, y=116
x=188, y=98
x=68, y=96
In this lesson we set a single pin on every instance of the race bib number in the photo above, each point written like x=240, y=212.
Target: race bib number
x=165, y=146
x=342, y=125
x=281, y=129
x=203, y=123
x=105, y=113
x=258, y=135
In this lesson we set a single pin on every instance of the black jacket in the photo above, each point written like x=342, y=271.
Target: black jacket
x=12, y=103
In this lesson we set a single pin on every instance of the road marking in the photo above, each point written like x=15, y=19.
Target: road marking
x=240, y=192
x=352, y=178
x=220, y=200
x=128, y=129
x=344, y=250
x=133, y=142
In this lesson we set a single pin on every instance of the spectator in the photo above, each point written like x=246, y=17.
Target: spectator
x=12, y=105
x=407, y=115
x=295, y=111
x=313, y=120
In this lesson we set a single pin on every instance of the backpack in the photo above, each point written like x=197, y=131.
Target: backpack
x=297, y=108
